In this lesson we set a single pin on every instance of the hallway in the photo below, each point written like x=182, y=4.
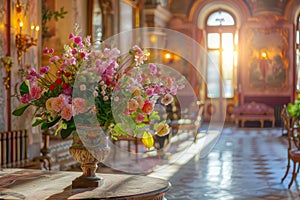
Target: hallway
x=244, y=164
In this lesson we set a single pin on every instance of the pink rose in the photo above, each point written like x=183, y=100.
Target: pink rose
x=26, y=98
x=58, y=103
x=66, y=112
x=68, y=90
x=139, y=118
x=78, y=105
x=35, y=92
x=77, y=40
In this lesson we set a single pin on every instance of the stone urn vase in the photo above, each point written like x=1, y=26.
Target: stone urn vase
x=89, y=147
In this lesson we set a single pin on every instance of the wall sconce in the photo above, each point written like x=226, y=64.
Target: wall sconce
x=23, y=40
x=263, y=54
x=7, y=63
x=168, y=57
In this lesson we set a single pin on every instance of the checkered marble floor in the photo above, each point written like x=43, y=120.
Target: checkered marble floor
x=244, y=164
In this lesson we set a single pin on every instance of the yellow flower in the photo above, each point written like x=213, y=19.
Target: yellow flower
x=162, y=129
x=49, y=104
x=136, y=92
x=147, y=139
x=140, y=101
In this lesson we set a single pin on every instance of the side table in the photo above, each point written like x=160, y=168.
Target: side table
x=38, y=184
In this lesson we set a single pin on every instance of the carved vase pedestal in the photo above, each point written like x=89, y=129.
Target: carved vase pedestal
x=89, y=156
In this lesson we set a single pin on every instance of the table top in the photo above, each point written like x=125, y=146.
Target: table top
x=37, y=184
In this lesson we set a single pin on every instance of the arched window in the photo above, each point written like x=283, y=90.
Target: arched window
x=221, y=48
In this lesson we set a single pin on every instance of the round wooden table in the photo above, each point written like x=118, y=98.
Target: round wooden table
x=36, y=184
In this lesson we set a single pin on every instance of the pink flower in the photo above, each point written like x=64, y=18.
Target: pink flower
x=84, y=55
x=169, y=81
x=77, y=40
x=78, y=105
x=139, y=118
x=148, y=107
x=35, y=92
x=32, y=72
x=149, y=92
x=153, y=68
x=45, y=51
x=71, y=61
x=71, y=36
x=88, y=41
x=74, y=51
x=54, y=59
x=58, y=103
x=137, y=49
x=68, y=90
x=29, y=77
x=51, y=51
x=44, y=69
x=66, y=112
x=26, y=98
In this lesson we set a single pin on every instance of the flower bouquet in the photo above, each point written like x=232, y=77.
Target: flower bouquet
x=124, y=96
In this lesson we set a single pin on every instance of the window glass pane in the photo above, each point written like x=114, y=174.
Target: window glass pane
x=298, y=69
x=220, y=18
x=213, y=40
x=125, y=17
x=213, y=75
x=227, y=89
x=227, y=64
x=97, y=23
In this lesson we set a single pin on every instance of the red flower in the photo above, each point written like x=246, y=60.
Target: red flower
x=65, y=85
x=148, y=107
x=59, y=72
x=58, y=81
x=52, y=87
x=67, y=74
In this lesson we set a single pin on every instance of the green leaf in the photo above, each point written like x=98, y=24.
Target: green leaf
x=24, y=89
x=66, y=132
x=154, y=116
x=20, y=110
x=47, y=125
x=38, y=120
x=119, y=130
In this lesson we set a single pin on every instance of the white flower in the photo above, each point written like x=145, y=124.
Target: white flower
x=167, y=99
x=116, y=98
x=95, y=93
x=105, y=98
x=82, y=87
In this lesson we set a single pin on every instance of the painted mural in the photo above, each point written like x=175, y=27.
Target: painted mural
x=267, y=62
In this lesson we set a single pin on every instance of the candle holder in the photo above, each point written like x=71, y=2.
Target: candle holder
x=23, y=43
x=23, y=40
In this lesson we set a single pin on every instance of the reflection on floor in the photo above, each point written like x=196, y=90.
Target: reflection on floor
x=244, y=164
